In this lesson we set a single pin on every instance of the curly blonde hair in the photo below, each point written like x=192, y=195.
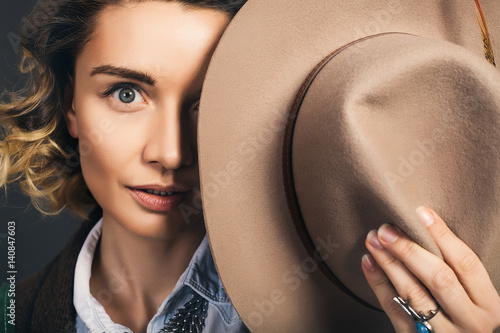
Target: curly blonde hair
x=35, y=146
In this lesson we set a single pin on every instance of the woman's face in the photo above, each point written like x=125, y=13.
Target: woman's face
x=136, y=91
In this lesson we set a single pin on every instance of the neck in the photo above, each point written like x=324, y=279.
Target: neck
x=134, y=274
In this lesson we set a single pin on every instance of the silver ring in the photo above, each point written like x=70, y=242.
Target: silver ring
x=421, y=321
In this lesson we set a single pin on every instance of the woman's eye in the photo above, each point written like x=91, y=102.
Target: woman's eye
x=128, y=95
x=196, y=106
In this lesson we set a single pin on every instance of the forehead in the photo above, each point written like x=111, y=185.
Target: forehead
x=154, y=36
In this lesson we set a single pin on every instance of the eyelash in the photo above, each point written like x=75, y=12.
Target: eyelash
x=121, y=85
x=134, y=86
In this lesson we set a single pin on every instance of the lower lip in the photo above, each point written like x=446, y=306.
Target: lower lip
x=158, y=203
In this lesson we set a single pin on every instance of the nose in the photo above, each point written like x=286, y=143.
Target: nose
x=170, y=139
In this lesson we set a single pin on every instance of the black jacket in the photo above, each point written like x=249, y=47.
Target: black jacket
x=44, y=302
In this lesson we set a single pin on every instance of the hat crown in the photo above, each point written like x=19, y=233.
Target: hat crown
x=370, y=148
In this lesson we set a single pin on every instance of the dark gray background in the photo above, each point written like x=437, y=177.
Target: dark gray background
x=39, y=238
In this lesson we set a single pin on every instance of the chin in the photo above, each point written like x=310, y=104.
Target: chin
x=165, y=225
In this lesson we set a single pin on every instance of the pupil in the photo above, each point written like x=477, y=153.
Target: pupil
x=127, y=95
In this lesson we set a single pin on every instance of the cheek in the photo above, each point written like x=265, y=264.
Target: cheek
x=98, y=156
x=108, y=145
x=99, y=139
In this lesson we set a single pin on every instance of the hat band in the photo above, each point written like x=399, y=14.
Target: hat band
x=287, y=169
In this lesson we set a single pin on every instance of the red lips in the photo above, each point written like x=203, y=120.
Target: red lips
x=159, y=198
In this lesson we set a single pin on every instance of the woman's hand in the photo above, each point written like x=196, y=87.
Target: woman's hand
x=397, y=266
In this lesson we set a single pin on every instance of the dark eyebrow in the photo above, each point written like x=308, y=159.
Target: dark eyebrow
x=124, y=73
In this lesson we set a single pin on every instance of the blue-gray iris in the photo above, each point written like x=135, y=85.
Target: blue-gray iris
x=127, y=95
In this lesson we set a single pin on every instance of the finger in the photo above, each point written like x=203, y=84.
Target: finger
x=464, y=262
x=384, y=291
x=404, y=282
x=433, y=272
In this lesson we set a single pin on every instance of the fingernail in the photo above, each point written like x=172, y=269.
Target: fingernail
x=369, y=263
x=388, y=233
x=426, y=216
x=372, y=238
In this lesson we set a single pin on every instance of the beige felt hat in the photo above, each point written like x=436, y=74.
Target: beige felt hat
x=321, y=120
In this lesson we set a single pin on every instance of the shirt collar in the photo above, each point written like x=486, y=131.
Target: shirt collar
x=200, y=276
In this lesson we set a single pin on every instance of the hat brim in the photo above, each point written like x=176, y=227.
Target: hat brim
x=253, y=78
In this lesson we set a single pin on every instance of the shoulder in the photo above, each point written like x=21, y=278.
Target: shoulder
x=45, y=300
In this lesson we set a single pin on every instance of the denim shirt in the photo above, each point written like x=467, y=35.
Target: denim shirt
x=200, y=277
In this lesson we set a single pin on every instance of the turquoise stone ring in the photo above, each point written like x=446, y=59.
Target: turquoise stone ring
x=421, y=328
